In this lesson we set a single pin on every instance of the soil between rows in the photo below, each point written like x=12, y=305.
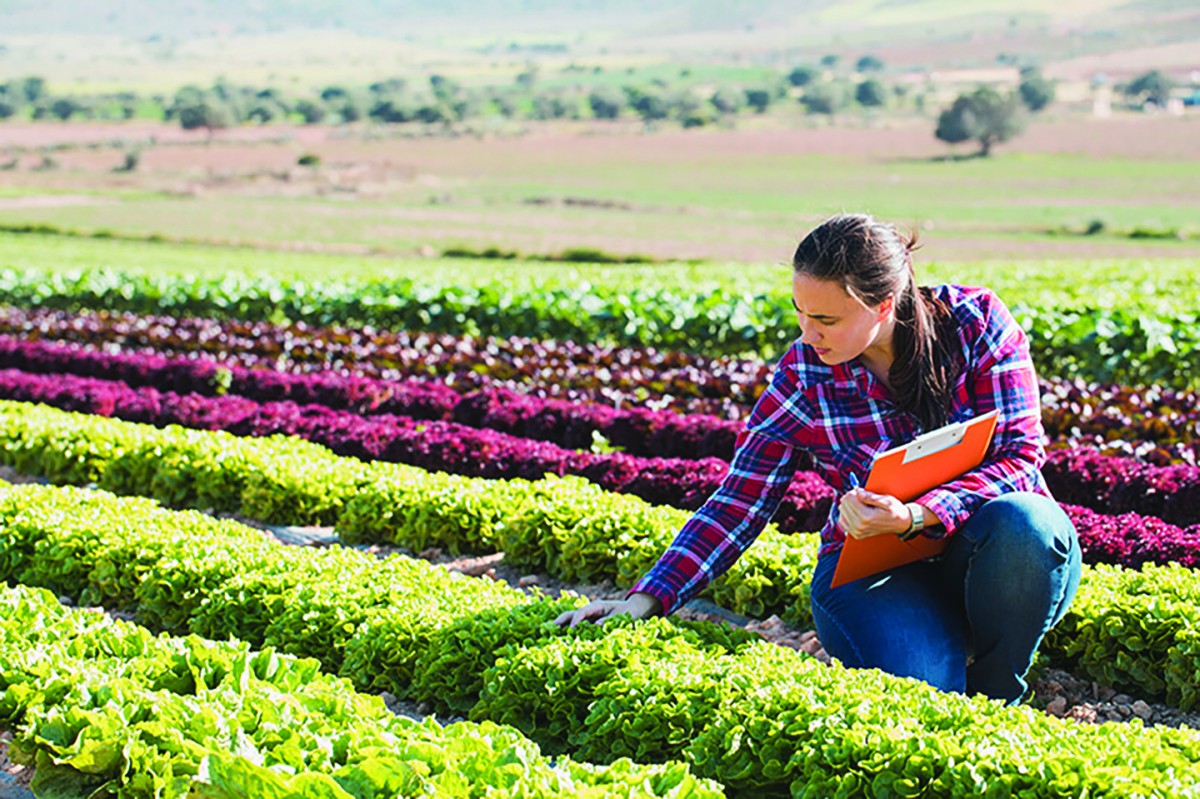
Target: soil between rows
x=14, y=779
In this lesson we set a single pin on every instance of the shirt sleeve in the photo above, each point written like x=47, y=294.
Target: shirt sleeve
x=1002, y=377
x=726, y=525
x=764, y=462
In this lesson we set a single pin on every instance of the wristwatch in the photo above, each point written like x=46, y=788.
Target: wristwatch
x=917, y=514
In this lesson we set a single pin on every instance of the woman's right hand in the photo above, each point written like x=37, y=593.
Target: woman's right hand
x=639, y=606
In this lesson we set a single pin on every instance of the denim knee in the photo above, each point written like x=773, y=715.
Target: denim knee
x=896, y=622
x=1019, y=558
x=1023, y=521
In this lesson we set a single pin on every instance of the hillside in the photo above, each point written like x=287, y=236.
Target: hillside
x=141, y=42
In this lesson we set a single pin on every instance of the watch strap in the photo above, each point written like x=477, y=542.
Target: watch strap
x=916, y=523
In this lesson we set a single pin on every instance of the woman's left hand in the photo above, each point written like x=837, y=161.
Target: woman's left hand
x=862, y=514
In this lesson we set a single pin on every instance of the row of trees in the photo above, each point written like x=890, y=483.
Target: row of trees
x=447, y=101
x=31, y=93
x=985, y=116
x=824, y=88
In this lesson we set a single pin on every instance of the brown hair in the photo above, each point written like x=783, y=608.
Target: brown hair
x=872, y=260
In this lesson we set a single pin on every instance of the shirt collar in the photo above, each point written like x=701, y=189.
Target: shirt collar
x=853, y=371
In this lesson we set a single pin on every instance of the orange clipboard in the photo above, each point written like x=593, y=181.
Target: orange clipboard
x=906, y=472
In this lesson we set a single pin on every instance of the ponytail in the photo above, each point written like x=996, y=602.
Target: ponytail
x=926, y=365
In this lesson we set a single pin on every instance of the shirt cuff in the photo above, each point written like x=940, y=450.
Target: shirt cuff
x=664, y=596
x=949, y=510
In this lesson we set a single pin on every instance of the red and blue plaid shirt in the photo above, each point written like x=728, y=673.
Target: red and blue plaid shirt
x=843, y=415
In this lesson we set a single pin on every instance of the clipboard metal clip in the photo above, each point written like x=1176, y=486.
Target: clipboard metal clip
x=933, y=442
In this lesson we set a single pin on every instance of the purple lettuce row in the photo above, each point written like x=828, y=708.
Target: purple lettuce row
x=636, y=431
x=1128, y=539
x=1123, y=485
x=1131, y=539
x=420, y=400
x=1119, y=485
x=616, y=376
x=1157, y=425
x=433, y=445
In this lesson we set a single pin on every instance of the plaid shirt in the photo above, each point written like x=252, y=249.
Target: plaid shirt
x=843, y=415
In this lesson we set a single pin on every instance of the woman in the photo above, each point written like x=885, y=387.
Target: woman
x=880, y=361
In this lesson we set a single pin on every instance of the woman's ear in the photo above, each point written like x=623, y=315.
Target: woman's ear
x=886, y=307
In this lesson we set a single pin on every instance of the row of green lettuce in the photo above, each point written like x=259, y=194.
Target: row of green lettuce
x=1123, y=344
x=105, y=708
x=1132, y=629
x=762, y=720
x=1152, y=284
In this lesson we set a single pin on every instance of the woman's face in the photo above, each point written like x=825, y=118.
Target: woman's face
x=836, y=324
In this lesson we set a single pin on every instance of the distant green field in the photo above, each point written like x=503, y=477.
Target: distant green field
x=675, y=205
x=1158, y=285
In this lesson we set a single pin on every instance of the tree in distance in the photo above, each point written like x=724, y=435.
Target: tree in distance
x=504, y=103
x=550, y=106
x=825, y=98
x=310, y=111
x=759, y=99
x=11, y=99
x=868, y=63
x=34, y=88
x=1036, y=91
x=63, y=108
x=802, y=76
x=340, y=101
x=606, y=102
x=334, y=94
x=528, y=77
x=649, y=103
x=985, y=116
x=870, y=93
x=726, y=100
x=691, y=110
x=1152, y=86
x=445, y=90
x=208, y=114
x=351, y=109
x=389, y=86
x=393, y=108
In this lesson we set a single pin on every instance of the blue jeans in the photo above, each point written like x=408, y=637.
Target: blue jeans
x=1007, y=577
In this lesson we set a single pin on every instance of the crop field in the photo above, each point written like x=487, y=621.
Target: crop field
x=573, y=431
x=299, y=461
